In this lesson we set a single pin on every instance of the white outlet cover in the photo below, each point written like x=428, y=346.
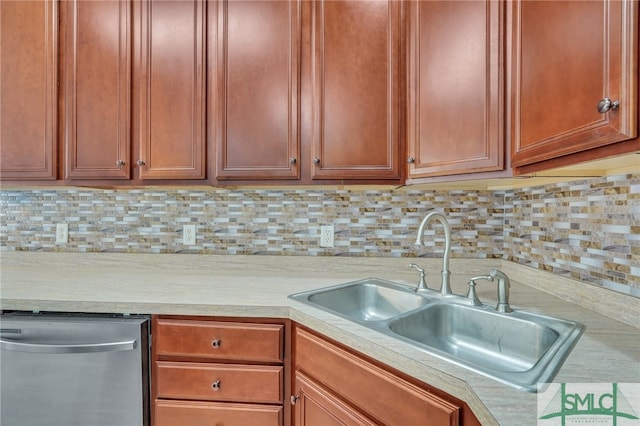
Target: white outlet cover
x=326, y=236
x=62, y=233
x=189, y=235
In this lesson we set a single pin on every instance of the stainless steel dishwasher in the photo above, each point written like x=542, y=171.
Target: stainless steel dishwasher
x=68, y=370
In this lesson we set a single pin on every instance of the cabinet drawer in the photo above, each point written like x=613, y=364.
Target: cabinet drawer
x=220, y=340
x=234, y=382
x=197, y=413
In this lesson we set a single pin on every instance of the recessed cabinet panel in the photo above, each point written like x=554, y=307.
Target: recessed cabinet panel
x=172, y=90
x=317, y=406
x=258, y=88
x=356, y=89
x=97, y=135
x=568, y=56
x=28, y=96
x=455, y=114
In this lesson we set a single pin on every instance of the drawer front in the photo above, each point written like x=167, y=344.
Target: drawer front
x=219, y=382
x=196, y=413
x=219, y=340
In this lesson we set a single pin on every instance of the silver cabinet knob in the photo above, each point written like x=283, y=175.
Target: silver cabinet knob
x=216, y=385
x=216, y=343
x=140, y=163
x=607, y=104
x=293, y=160
x=411, y=160
x=316, y=161
x=119, y=163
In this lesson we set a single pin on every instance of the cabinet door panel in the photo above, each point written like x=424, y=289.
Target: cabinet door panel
x=318, y=407
x=567, y=57
x=97, y=89
x=356, y=89
x=394, y=401
x=258, y=89
x=172, y=90
x=455, y=115
x=28, y=89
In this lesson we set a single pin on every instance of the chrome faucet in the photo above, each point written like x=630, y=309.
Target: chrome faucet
x=503, y=290
x=445, y=287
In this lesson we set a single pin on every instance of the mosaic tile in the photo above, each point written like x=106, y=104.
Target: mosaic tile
x=587, y=229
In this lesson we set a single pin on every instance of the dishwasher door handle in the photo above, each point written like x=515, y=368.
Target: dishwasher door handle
x=44, y=348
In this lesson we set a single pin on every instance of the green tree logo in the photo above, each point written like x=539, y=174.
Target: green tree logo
x=589, y=403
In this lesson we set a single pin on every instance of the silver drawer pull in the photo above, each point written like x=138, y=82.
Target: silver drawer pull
x=216, y=385
x=216, y=343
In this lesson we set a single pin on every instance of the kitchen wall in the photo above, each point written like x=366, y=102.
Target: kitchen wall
x=585, y=229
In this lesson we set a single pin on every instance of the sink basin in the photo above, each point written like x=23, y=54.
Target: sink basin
x=520, y=348
x=366, y=300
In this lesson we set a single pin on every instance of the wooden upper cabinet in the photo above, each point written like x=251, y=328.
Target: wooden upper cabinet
x=257, y=90
x=455, y=109
x=567, y=57
x=356, y=54
x=28, y=89
x=97, y=88
x=172, y=90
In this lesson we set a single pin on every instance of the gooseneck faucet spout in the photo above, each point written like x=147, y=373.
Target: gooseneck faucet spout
x=445, y=287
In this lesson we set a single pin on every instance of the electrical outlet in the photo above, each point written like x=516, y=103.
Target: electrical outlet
x=62, y=233
x=326, y=236
x=189, y=235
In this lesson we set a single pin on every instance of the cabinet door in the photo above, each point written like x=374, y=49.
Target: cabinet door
x=258, y=90
x=356, y=89
x=455, y=114
x=172, y=90
x=97, y=98
x=316, y=406
x=352, y=378
x=567, y=56
x=28, y=89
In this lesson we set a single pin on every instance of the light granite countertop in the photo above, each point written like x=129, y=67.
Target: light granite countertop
x=258, y=286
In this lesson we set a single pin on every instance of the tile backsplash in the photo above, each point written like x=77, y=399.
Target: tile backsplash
x=587, y=229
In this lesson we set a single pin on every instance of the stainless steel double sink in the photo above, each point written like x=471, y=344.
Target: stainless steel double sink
x=520, y=348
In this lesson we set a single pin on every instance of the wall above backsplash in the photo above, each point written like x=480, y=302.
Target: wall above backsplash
x=587, y=229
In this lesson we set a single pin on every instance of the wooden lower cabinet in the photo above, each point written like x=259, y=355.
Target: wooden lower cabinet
x=207, y=371
x=269, y=372
x=335, y=386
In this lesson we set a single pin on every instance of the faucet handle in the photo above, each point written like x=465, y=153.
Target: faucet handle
x=422, y=283
x=472, y=295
